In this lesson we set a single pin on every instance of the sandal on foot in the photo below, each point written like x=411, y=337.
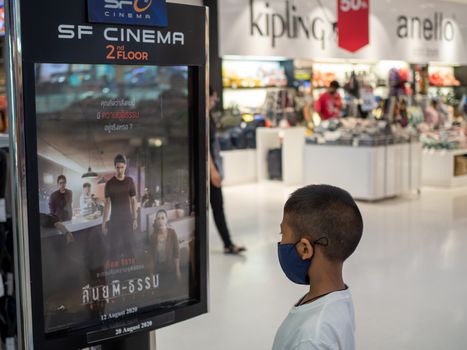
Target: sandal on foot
x=233, y=249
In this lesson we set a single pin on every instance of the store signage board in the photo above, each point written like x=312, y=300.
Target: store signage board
x=414, y=31
x=353, y=18
x=114, y=125
x=133, y=12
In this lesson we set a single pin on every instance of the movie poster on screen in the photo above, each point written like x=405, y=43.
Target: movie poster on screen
x=117, y=219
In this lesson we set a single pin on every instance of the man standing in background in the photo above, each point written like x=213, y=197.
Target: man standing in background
x=329, y=104
x=147, y=200
x=215, y=191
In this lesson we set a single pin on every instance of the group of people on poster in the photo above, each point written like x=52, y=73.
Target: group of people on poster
x=119, y=217
x=121, y=243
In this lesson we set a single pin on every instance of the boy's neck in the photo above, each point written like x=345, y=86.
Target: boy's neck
x=325, y=278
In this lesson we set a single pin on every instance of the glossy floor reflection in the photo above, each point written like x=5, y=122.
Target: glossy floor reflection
x=408, y=276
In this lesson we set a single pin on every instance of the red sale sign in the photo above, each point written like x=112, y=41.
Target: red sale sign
x=353, y=18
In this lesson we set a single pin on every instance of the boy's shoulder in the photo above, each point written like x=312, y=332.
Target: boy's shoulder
x=332, y=311
x=326, y=322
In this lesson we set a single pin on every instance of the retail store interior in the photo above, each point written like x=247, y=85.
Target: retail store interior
x=398, y=145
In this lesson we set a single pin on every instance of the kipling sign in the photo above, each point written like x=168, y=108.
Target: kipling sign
x=351, y=28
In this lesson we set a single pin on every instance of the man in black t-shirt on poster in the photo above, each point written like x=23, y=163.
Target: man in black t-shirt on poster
x=120, y=202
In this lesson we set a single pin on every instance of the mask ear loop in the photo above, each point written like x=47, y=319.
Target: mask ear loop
x=323, y=241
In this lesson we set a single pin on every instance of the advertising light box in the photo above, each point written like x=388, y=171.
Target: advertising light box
x=114, y=129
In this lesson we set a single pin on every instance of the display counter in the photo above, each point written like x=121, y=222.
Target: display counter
x=291, y=141
x=239, y=166
x=368, y=173
x=446, y=168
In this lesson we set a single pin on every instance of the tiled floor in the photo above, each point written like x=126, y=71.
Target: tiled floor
x=408, y=276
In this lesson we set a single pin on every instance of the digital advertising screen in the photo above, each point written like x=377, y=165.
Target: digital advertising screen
x=114, y=129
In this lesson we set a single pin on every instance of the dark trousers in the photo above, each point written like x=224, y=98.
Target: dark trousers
x=217, y=205
x=121, y=240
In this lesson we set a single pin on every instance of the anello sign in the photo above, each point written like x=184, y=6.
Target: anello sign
x=428, y=29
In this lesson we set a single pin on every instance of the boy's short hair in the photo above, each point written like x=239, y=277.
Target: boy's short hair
x=86, y=184
x=317, y=211
x=119, y=158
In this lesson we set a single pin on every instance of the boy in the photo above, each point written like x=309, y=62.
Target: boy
x=321, y=228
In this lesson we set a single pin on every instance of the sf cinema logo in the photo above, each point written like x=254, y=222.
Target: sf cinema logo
x=353, y=24
x=127, y=8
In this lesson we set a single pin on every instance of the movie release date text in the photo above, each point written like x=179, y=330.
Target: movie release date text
x=131, y=329
x=128, y=311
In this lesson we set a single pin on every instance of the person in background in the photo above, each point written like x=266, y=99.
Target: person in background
x=400, y=112
x=329, y=104
x=86, y=204
x=432, y=116
x=97, y=203
x=166, y=248
x=60, y=201
x=216, y=172
x=147, y=200
x=321, y=228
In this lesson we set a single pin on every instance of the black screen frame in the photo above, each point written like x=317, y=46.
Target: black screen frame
x=79, y=337
x=92, y=335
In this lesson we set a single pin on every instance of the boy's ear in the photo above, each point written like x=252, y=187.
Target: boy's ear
x=305, y=249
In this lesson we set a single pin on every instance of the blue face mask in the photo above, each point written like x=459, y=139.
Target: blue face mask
x=294, y=267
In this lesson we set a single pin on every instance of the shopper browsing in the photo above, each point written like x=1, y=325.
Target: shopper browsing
x=321, y=228
x=329, y=104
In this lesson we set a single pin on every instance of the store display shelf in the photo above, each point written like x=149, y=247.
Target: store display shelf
x=239, y=166
x=368, y=173
x=4, y=140
x=291, y=141
x=439, y=168
x=445, y=86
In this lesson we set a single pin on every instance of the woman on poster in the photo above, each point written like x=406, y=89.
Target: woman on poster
x=166, y=250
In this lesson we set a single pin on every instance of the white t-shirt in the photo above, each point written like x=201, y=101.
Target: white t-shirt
x=327, y=323
x=85, y=205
